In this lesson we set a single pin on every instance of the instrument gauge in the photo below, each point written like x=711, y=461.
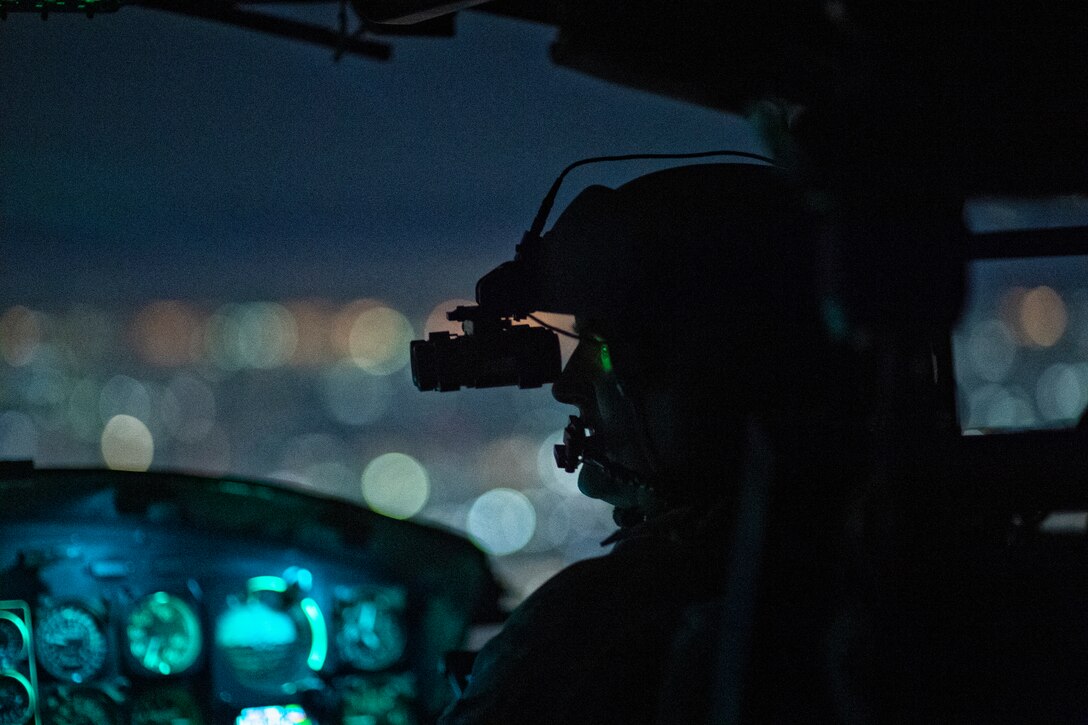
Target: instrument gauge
x=263, y=645
x=164, y=634
x=71, y=642
x=371, y=635
x=16, y=699
x=80, y=707
x=13, y=640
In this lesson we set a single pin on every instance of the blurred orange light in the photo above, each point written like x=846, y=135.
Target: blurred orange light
x=560, y=322
x=313, y=322
x=1043, y=316
x=166, y=333
x=437, y=322
x=510, y=463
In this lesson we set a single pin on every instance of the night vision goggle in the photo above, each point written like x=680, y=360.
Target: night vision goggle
x=494, y=351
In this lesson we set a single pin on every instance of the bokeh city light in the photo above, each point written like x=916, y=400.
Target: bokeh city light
x=314, y=394
x=127, y=444
x=379, y=339
x=395, y=484
x=502, y=521
x=1021, y=357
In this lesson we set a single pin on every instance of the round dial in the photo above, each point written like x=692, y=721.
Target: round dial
x=80, y=707
x=164, y=634
x=16, y=699
x=13, y=640
x=371, y=634
x=381, y=699
x=71, y=643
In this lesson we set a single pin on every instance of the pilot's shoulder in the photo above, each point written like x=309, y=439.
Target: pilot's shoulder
x=584, y=632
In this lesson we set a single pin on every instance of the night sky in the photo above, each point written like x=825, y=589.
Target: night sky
x=145, y=155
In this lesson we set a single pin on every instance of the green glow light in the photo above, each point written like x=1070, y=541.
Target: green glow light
x=238, y=488
x=835, y=320
x=319, y=647
x=256, y=625
x=24, y=633
x=266, y=584
x=164, y=634
x=606, y=358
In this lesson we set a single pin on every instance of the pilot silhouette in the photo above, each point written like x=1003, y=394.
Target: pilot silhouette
x=694, y=295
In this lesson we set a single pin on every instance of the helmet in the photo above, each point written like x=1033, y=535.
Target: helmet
x=700, y=280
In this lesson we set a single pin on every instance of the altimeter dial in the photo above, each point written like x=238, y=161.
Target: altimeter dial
x=164, y=634
x=71, y=642
x=16, y=699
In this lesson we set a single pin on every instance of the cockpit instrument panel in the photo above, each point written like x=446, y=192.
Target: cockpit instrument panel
x=155, y=598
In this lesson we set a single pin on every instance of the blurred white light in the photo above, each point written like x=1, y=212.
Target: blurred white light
x=255, y=335
x=992, y=350
x=502, y=521
x=552, y=475
x=343, y=320
x=127, y=444
x=1060, y=394
x=220, y=336
x=1065, y=523
x=18, y=436
x=396, y=485
x=121, y=395
x=354, y=396
x=996, y=407
x=270, y=334
x=166, y=333
x=379, y=340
